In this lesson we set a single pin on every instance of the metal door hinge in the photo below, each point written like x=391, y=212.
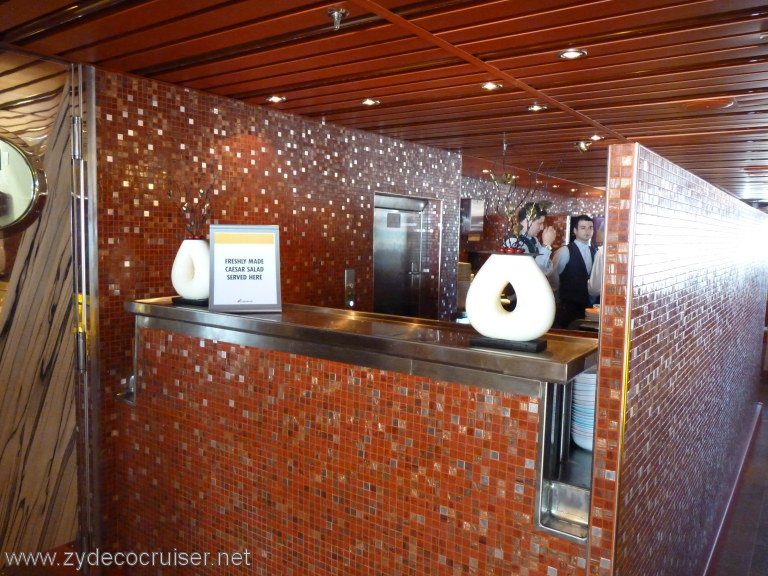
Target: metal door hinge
x=77, y=138
x=82, y=352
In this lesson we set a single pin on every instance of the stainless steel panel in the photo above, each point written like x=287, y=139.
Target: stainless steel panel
x=397, y=261
x=565, y=510
x=429, y=348
x=564, y=481
x=399, y=202
x=350, y=291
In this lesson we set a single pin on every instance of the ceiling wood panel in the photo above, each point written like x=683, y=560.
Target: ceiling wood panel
x=655, y=71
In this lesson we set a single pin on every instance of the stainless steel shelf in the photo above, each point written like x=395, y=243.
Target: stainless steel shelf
x=433, y=349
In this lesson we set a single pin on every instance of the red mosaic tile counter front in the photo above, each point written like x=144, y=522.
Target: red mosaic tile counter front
x=319, y=467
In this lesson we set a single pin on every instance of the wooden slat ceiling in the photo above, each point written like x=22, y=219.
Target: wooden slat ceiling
x=687, y=79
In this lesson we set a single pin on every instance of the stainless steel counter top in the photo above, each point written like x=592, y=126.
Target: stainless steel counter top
x=438, y=350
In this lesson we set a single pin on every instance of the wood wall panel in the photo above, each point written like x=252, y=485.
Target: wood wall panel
x=38, y=466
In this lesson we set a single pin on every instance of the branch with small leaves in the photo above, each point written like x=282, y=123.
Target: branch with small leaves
x=195, y=205
x=503, y=200
x=511, y=212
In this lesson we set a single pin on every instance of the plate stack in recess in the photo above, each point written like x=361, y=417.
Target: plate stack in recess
x=583, y=409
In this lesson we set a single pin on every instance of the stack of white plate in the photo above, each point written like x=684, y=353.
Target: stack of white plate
x=583, y=409
x=592, y=314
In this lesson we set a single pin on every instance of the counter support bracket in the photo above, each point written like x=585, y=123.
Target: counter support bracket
x=128, y=394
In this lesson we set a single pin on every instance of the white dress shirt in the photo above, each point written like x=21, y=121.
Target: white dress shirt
x=595, y=283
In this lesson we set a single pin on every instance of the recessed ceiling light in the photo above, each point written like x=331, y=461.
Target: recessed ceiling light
x=491, y=86
x=275, y=99
x=371, y=102
x=536, y=107
x=572, y=54
x=595, y=137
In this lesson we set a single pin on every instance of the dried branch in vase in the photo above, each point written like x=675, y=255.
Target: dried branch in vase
x=510, y=210
x=195, y=205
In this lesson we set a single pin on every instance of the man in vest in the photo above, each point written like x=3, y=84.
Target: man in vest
x=571, y=266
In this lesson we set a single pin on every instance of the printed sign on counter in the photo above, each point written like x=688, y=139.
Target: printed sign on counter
x=245, y=268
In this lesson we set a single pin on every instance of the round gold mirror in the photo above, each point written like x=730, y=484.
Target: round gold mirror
x=22, y=186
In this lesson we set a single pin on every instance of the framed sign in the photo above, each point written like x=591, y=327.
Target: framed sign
x=245, y=268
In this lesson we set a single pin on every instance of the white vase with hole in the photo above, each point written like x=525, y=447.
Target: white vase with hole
x=191, y=273
x=534, y=312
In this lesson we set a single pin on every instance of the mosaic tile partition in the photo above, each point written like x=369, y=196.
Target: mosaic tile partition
x=319, y=467
x=481, y=189
x=497, y=200
x=269, y=167
x=316, y=181
x=680, y=344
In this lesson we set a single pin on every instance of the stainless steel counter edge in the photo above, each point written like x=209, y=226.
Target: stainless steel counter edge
x=432, y=349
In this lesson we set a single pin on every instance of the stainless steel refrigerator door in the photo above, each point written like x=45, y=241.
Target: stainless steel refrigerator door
x=397, y=261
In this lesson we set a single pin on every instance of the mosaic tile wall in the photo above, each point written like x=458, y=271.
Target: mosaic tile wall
x=680, y=345
x=316, y=181
x=319, y=467
x=497, y=199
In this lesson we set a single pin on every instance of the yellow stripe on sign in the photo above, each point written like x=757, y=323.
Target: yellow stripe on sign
x=243, y=238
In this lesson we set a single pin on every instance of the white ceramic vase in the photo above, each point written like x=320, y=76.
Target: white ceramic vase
x=190, y=274
x=534, y=312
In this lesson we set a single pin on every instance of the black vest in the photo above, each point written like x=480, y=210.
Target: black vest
x=574, y=278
